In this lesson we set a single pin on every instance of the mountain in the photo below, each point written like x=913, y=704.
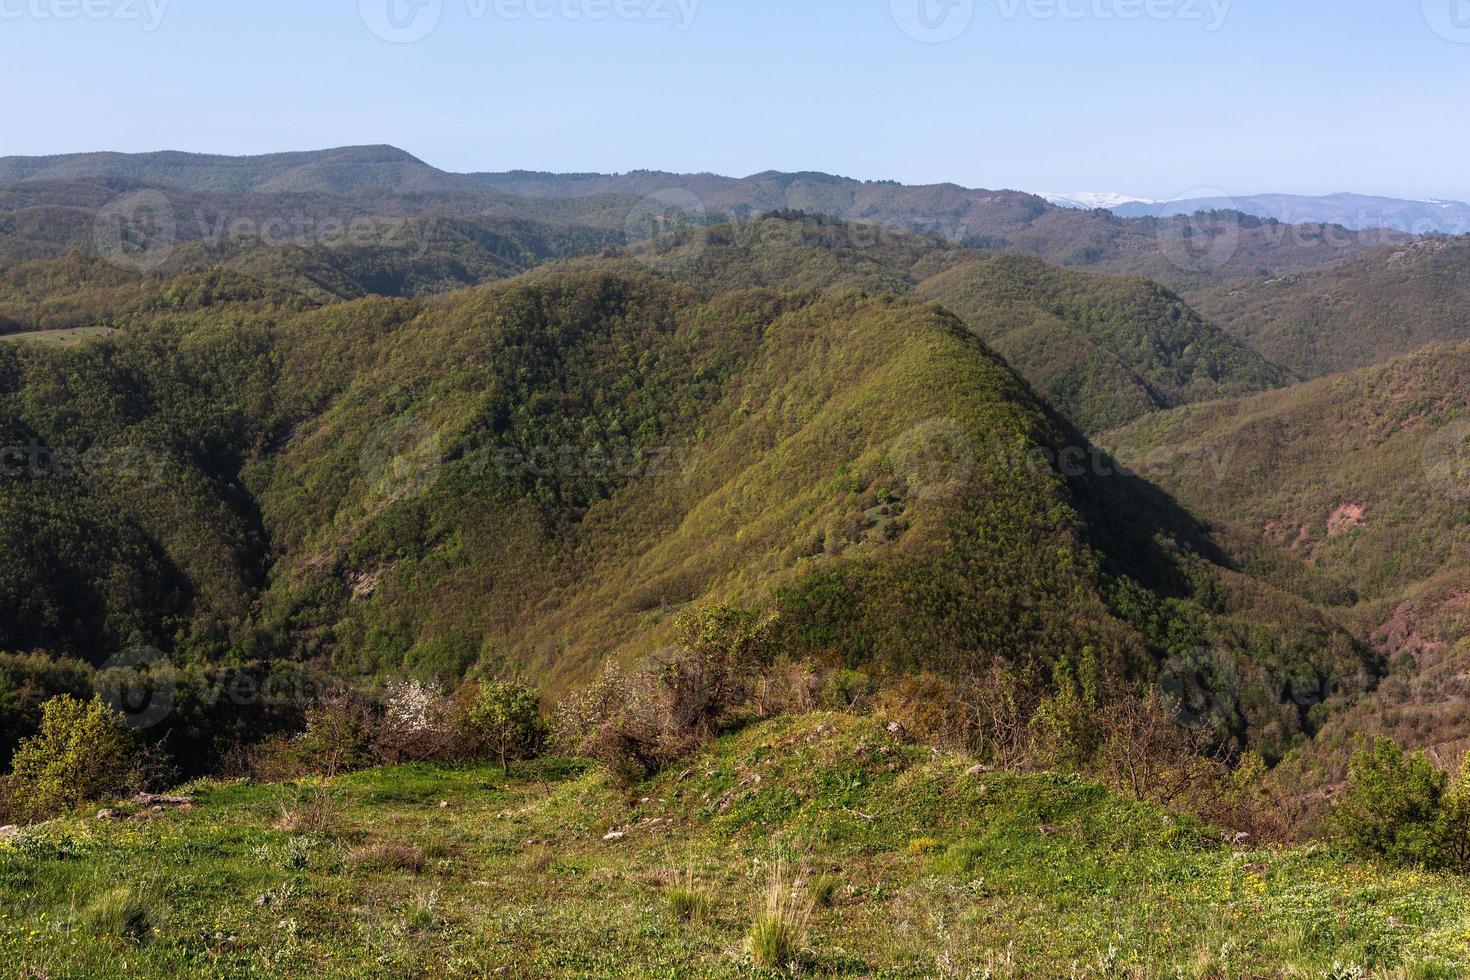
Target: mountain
x=1182, y=252
x=1104, y=350
x=1362, y=476
x=537, y=473
x=339, y=171
x=1100, y=349
x=1355, y=212
x=49, y=205
x=1369, y=309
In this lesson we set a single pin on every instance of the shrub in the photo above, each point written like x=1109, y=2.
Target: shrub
x=507, y=718
x=847, y=690
x=83, y=752
x=1391, y=806
x=637, y=724
x=1146, y=753
x=342, y=735
x=928, y=707
x=603, y=722
x=28, y=681
x=418, y=724
x=1453, y=825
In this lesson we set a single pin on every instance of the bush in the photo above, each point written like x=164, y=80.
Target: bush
x=28, y=681
x=1391, y=807
x=82, y=752
x=421, y=724
x=637, y=724
x=1149, y=755
x=342, y=735
x=507, y=718
x=847, y=690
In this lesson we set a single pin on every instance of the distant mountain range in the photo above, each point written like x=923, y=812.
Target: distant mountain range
x=1352, y=211
x=50, y=205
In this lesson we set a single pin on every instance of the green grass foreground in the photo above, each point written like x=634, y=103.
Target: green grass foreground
x=933, y=869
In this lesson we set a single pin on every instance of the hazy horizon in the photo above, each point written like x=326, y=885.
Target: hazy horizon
x=1159, y=99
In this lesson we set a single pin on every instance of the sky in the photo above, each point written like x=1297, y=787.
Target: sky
x=1155, y=98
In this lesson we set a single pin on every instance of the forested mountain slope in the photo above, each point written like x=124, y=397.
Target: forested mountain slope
x=1362, y=475
x=1369, y=309
x=538, y=472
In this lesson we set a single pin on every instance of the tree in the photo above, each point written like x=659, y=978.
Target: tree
x=1391, y=806
x=1453, y=828
x=508, y=717
x=83, y=751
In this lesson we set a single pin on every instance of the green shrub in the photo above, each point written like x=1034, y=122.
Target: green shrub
x=847, y=690
x=1391, y=806
x=507, y=718
x=83, y=751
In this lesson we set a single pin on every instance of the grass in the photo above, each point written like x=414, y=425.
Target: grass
x=780, y=928
x=690, y=901
x=1115, y=886
x=120, y=914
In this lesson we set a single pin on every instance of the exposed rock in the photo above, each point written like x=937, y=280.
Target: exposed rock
x=897, y=732
x=1346, y=518
x=614, y=835
x=154, y=800
x=110, y=814
x=976, y=770
x=9, y=831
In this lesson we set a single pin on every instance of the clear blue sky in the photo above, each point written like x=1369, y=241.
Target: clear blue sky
x=1304, y=96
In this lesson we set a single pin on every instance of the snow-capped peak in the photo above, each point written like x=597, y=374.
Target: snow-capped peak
x=1088, y=200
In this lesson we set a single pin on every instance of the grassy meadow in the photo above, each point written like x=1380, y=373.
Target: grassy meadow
x=890, y=860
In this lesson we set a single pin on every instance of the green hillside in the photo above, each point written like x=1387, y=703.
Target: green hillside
x=1363, y=476
x=1367, y=310
x=537, y=474
x=1103, y=350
